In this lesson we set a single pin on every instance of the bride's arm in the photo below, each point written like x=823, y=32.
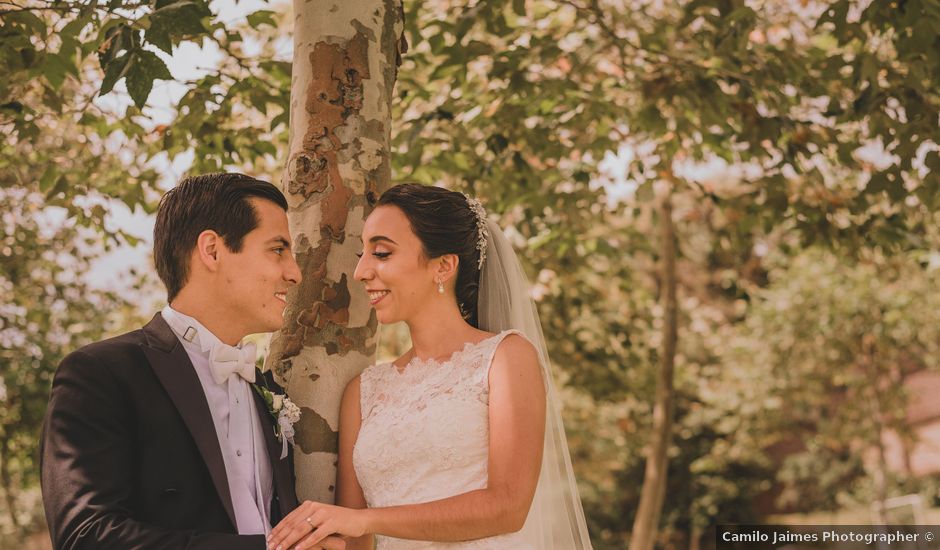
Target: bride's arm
x=517, y=429
x=348, y=492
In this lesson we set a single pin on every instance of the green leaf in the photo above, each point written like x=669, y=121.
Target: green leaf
x=159, y=34
x=282, y=118
x=932, y=161
x=74, y=27
x=14, y=107
x=128, y=238
x=464, y=24
x=27, y=57
x=55, y=69
x=52, y=98
x=114, y=71
x=476, y=48
x=47, y=179
x=61, y=185
x=28, y=20
x=141, y=73
x=878, y=183
x=174, y=21
x=261, y=17
x=114, y=39
x=461, y=162
x=266, y=148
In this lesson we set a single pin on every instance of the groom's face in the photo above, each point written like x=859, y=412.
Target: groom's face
x=255, y=280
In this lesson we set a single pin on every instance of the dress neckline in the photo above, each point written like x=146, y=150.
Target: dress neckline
x=417, y=361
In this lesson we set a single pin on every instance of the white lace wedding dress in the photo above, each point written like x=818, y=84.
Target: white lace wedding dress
x=425, y=436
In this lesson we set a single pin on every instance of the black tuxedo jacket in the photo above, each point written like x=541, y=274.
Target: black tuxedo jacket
x=129, y=454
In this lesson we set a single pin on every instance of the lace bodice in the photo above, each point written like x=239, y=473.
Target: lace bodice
x=425, y=435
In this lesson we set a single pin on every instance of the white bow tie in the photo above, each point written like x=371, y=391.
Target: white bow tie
x=225, y=360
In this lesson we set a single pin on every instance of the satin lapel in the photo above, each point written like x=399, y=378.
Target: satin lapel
x=172, y=366
x=283, y=481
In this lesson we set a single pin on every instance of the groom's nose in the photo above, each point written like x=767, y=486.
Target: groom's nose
x=293, y=273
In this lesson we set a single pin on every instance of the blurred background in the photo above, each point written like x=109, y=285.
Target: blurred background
x=784, y=154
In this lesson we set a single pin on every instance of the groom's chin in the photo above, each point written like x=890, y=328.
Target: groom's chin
x=277, y=325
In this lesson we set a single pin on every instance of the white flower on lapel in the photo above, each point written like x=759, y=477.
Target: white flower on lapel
x=284, y=412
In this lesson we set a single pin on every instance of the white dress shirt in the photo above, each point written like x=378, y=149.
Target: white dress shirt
x=237, y=425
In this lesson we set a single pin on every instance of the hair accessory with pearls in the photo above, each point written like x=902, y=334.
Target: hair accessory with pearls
x=482, y=231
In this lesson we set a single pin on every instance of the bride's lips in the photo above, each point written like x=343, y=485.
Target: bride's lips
x=375, y=296
x=282, y=296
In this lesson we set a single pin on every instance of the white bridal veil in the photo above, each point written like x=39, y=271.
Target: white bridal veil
x=556, y=520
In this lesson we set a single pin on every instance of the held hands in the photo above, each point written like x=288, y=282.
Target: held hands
x=312, y=523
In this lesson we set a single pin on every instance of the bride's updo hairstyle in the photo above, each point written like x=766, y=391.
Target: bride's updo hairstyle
x=443, y=222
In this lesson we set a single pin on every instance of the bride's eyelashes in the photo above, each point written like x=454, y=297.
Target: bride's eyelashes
x=379, y=255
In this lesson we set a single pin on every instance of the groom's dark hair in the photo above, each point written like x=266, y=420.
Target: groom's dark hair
x=219, y=202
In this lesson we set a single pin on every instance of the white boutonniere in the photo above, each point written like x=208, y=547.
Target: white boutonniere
x=284, y=412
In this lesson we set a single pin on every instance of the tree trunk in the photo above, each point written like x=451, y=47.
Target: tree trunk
x=695, y=541
x=880, y=474
x=648, y=513
x=6, y=479
x=346, y=57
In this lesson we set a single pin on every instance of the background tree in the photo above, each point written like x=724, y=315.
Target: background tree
x=846, y=335
x=46, y=313
x=47, y=243
x=683, y=83
x=114, y=54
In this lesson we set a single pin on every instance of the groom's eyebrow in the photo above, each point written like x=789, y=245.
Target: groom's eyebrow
x=381, y=238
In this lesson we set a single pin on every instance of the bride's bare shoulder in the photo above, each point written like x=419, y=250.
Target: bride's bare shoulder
x=353, y=387
x=516, y=352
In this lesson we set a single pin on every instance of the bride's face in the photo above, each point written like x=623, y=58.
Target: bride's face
x=396, y=274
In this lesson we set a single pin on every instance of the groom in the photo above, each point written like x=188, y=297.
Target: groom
x=156, y=438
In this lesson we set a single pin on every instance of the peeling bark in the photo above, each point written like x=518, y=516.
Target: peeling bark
x=345, y=64
x=314, y=434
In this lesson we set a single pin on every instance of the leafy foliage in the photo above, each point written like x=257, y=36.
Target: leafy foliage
x=834, y=339
x=62, y=57
x=520, y=102
x=693, y=81
x=47, y=312
x=47, y=244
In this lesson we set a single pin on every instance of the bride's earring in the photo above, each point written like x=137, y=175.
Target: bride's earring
x=440, y=287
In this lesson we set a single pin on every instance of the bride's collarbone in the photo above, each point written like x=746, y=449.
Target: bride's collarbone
x=440, y=357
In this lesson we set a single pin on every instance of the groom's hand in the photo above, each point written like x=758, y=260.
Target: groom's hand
x=329, y=543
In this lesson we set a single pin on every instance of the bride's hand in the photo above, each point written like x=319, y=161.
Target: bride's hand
x=312, y=522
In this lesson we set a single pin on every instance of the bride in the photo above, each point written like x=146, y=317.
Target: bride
x=459, y=442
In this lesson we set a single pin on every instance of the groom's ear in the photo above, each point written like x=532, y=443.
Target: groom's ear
x=207, y=249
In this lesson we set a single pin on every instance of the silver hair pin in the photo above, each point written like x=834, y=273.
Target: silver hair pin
x=482, y=231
